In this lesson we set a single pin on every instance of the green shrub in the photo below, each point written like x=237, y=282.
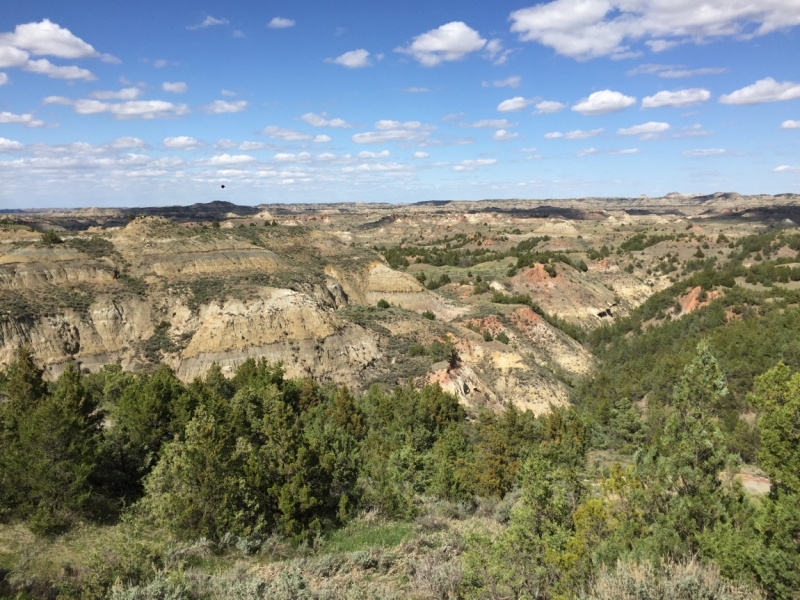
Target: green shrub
x=428, y=314
x=383, y=303
x=51, y=237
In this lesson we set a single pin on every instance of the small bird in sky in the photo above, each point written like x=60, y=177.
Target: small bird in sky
x=223, y=187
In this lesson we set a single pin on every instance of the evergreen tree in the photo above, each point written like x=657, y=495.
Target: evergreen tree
x=682, y=493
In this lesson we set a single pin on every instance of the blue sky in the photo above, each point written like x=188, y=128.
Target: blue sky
x=147, y=103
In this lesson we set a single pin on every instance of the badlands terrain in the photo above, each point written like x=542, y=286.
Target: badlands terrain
x=491, y=299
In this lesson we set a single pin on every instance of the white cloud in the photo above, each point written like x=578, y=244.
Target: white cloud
x=27, y=119
x=604, y=102
x=787, y=169
x=492, y=123
x=322, y=139
x=286, y=135
x=421, y=155
x=416, y=90
x=131, y=93
x=386, y=124
x=579, y=134
x=527, y=150
x=209, y=21
x=176, y=87
x=512, y=82
x=182, y=142
x=514, y=104
x=790, y=124
x=280, y=23
x=43, y=66
x=469, y=165
x=548, y=107
x=495, y=52
x=705, y=152
x=680, y=73
x=678, y=98
x=218, y=107
x=647, y=131
x=502, y=135
x=12, y=57
x=7, y=145
x=586, y=152
x=227, y=159
x=227, y=93
x=160, y=63
x=289, y=157
x=763, y=90
x=695, y=130
x=585, y=29
x=388, y=135
x=367, y=154
x=250, y=146
x=47, y=38
x=355, y=59
x=3, y=79
x=128, y=143
x=321, y=121
x=134, y=109
x=625, y=151
x=449, y=42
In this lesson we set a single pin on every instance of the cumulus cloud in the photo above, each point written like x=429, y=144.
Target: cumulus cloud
x=577, y=134
x=12, y=57
x=322, y=139
x=280, y=23
x=647, y=131
x=604, y=102
x=511, y=82
x=368, y=154
x=134, y=109
x=416, y=90
x=502, y=135
x=209, y=21
x=176, y=87
x=449, y=42
x=386, y=124
x=131, y=93
x=421, y=155
x=586, y=152
x=790, y=124
x=585, y=29
x=43, y=66
x=705, y=152
x=787, y=169
x=7, y=145
x=492, y=123
x=286, y=135
x=548, y=107
x=227, y=159
x=228, y=93
x=182, y=142
x=27, y=119
x=514, y=104
x=47, y=38
x=355, y=59
x=678, y=98
x=763, y=90
x=290, y=157
x=321, y=121
x=128, y=143
x=218, y=107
